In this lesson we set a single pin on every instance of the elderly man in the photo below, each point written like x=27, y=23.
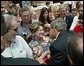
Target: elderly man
x=59, y=36
x=14, y=45
x=23, y=28
x=11, y=61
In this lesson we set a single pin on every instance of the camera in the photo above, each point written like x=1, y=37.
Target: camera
x=24, y=34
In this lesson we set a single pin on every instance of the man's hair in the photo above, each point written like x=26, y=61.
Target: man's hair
x=3, y=25
x=24, y=9
x=73, y=50
x=58, y=24
x=74, y=9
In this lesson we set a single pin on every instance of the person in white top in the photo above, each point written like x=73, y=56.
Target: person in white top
x=75, y=20
x=14, y=45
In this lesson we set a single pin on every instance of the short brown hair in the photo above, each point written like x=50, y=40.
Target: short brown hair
x=74, y=9
x=24, y=9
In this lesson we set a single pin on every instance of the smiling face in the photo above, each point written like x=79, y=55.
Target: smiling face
x=74, y=13
x=63, y=12
x=25, y=16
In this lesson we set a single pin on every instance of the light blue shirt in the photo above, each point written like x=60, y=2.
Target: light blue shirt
x=17, y=49
x=23, y=30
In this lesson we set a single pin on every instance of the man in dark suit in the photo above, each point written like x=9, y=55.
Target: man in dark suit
x=69, y=18
x=58, y=46
x=11, y=61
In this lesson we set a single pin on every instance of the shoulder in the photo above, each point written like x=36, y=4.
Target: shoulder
x=19, y=37
x=76, y=17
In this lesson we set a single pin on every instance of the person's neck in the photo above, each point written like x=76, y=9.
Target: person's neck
x=5, y=41
x=4, y=44
x=56, y=36
x=25, y=23
x=39, y=39
x=46, y=22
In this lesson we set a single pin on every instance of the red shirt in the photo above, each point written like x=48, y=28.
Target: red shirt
x=77, y=29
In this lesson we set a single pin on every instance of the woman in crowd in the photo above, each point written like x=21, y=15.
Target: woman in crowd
x=38, y=43
x=44, y=16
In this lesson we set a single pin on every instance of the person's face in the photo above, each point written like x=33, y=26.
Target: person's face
x=12, y=31
x=34, y=15
x=25, y=16
x=40, y=32
x=52, y=33
x=63, y=11
x=80, y=23
x=56, y=14
x=45, y=15
x=80, y=10
x=51, y=16
x=74, y=13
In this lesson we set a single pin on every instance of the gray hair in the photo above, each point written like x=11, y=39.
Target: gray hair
x=58, y=24
x=24, y=9
x=8, y=20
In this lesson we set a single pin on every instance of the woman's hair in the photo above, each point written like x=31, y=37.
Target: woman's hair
x=34, y=27
x=41, y=17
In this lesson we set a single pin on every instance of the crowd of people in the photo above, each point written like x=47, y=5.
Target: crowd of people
x=55, y=37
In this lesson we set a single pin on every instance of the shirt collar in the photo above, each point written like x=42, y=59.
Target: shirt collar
x=57, y=36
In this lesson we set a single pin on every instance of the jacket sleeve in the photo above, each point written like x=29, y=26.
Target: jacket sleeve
x=57, y=57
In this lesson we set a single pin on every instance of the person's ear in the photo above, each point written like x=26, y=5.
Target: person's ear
x=1, y=37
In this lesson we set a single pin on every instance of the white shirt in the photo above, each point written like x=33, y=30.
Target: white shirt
x=74, y=23
x=17, y=49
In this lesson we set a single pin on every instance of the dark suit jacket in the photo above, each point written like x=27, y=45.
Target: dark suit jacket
x=58, y=50
x=69, y=20
x=18, y=61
